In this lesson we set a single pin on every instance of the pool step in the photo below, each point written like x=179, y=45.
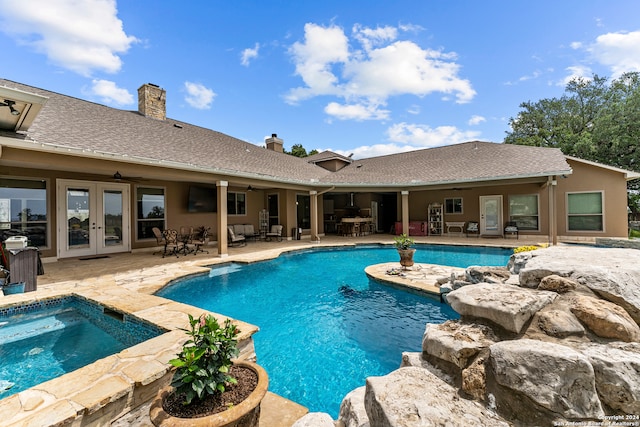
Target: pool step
x=29, y=328
x=227, y=269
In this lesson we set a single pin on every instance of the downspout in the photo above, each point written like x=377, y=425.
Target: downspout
x=552, y=183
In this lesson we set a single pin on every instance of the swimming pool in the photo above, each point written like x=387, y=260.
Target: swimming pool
x=324, y=326
x=50, y=338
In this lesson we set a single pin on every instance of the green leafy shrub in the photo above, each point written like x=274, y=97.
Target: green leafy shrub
x=202, y=367
x=403, y=241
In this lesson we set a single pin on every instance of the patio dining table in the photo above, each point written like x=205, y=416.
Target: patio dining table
x=354, y=226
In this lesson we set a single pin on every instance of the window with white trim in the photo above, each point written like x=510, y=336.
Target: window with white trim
x=523, y=209
x=236, y=203
x=585, y=211
x=453, y=205
x=150, y=205
x=23, y=210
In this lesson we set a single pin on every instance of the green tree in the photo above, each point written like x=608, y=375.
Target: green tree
x=591, y=120
x=299, y=151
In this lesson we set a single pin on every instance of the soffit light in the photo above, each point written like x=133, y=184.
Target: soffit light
x=10, y=104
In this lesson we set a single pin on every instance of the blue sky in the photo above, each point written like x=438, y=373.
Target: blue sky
x=363, y=77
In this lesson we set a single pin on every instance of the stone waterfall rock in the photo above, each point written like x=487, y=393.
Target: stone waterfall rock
x=553, y=376
x=352, y=410
x=605, y=319
x=617, y=371
x=509, y=306
x=315, y=419
x=456, y=342
x=612, y=273
x=411, y=397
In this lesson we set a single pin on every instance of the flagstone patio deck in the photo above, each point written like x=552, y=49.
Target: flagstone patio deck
x=129, y=280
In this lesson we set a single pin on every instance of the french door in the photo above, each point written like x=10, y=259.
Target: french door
x=93, y=218
x=491, y=215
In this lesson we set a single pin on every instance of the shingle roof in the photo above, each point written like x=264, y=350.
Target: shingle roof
x=327, y=155
x=466, y=162
x=70, y=122
x=81, y=125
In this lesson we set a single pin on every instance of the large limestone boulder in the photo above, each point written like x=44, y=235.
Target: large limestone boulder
x=553, y=376
x=509, y=306
x=557, y=284
x=410, y=397
x=477, y=274
x=617, y=372
x=605, y=319
x=612, y=273
x=559, y=323
x=456, y=342
x=352, y=410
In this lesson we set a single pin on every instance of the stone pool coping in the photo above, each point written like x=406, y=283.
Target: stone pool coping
x=422, y=278
x=116, y=384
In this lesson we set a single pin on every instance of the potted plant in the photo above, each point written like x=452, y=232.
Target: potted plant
x=208, y=387
x=404, y=245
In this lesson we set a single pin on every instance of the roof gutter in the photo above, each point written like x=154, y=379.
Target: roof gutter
x=47, y=147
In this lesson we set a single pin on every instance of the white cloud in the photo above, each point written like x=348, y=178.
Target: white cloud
x=198, y=95
x=110, y=93
x=576, y=72
x=414, y=109
x=476, y=120
x=423, y=136
x=370, y=37
x=618, y=51
x=383, y=68
x=355, y=111
x=248, y=54
x=82, y=36
x=367, y=151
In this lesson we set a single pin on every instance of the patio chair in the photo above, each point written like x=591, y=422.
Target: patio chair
x=171, y=243
x=472, y=228
x=511, y=228
x=185, y=238
x=159, y=239
x=202, y=239
x=234, y=239
x=276, y=231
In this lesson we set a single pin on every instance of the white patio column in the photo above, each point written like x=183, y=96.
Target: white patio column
x=222, y=187
x=405, y=212
x=313, y=195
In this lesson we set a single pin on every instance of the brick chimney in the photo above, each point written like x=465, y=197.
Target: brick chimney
x=152, y=101
x=274, y=143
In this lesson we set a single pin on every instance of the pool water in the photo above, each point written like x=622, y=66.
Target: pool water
x=46, y=343
x=324, y=326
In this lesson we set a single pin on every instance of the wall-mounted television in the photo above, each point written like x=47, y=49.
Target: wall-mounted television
x=202, y=199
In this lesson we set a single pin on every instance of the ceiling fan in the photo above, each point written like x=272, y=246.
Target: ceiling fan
x=117, y=177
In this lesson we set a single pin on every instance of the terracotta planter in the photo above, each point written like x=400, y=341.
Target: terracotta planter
x=406, y=257
x=245, y=414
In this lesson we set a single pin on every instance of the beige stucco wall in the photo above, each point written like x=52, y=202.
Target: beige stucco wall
x=586, y=177
x=27, y=164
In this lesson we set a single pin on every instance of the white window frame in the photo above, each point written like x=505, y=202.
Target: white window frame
x=454, y=204
x=602, y=204
x=514, y=217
